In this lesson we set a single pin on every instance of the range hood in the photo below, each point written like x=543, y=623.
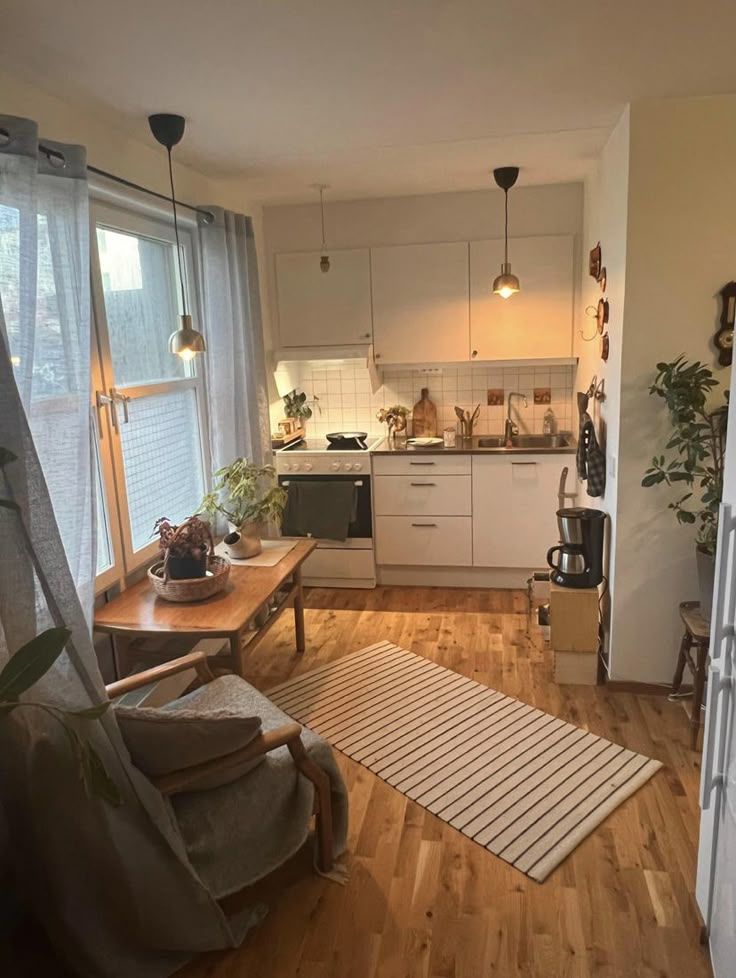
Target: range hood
x=287, y=362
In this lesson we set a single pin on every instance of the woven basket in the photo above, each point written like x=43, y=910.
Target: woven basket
x=194, y=588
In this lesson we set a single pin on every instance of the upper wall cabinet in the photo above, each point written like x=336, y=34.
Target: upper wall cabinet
x=538, y=321
x=420, y=303
x=324, y=309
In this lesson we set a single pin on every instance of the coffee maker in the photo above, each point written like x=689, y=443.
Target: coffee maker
x=580, y=560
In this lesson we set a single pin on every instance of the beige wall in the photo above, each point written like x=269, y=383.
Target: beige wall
x=606, y=210
x=681, y=250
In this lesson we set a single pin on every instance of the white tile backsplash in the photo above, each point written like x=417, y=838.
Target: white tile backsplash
x=346, y=400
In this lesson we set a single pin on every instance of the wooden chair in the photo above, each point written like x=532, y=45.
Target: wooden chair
x=697, y=635
x=288, y=736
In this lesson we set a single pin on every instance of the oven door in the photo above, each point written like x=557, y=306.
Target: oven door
x=360, y=531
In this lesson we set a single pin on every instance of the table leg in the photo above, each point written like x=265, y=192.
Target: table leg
x=679, y=671
x=237, y=655
x=299, y=611
x=699, y=679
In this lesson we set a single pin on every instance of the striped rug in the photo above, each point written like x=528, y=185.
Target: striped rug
x=523, y=784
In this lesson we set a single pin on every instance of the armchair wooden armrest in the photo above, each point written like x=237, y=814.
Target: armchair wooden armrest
x=178, y=781
x=194, y=660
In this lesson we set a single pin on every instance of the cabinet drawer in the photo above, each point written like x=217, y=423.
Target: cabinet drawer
x=422, y=495
x=421, y=463
x=432, y=541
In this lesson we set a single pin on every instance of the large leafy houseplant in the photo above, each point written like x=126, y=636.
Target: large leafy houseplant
x=244, y=493
x=695, y=447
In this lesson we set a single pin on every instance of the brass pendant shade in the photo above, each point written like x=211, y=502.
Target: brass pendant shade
x=506, y=284
x=186, y=342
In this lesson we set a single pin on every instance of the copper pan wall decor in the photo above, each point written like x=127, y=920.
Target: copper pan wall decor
x=605, y=347
x=595, y=262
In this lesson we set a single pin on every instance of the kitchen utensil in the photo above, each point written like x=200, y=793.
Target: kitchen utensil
x=341, y=438
x=424, y=442
x=425, y=416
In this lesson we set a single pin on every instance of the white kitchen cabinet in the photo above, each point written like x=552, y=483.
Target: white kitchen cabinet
x=514, y=509
x=422, y=463
x=422, y=495
x=324, y=309
x=429, y=541
x=537, y=321
x=421, y=303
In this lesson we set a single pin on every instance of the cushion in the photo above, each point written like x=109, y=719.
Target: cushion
x=184, y=733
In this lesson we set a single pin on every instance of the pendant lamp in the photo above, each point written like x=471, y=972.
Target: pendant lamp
x=186, y=342
x=506, y=284
x=324, y=261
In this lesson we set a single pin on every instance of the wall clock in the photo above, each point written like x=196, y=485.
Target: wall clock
x=724, y=335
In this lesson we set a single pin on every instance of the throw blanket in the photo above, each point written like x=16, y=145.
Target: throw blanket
x=240, y=832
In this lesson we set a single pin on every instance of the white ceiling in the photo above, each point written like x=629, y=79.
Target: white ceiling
x=374, y=97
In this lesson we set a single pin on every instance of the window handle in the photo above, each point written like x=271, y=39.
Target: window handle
x=103, y=401
x=124, y=399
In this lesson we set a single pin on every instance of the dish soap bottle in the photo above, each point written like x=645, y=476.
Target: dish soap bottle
x=549, y=423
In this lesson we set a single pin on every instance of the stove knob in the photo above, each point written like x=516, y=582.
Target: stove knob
x=347, y=466
x=286, y=466
x=307, y=466
x=295, y=467
x=335, y=466
x=357, y=466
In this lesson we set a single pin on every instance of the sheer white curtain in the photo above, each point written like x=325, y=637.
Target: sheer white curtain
x=112, y=885
x=235, y=360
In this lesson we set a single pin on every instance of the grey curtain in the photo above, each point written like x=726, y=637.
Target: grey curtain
x=235, y=360
x=112, y=885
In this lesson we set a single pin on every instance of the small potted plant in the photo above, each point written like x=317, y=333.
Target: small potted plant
x=295, y=406
x=697, y=443
x=396, y=419
x=185, y=548
x=245, y=495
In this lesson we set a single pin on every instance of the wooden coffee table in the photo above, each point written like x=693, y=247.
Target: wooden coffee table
x=138, y=611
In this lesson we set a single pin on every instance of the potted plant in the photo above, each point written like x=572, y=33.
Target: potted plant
x=185, y=548
x=395, y=418
x=697, y=446
x=245, y=495
x=295, y=406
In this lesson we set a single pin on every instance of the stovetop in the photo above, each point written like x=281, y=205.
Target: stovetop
x=319, y=446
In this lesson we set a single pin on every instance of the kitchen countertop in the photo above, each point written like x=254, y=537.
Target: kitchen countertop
x=470, y=447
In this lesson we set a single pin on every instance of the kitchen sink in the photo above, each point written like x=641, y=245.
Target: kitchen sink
x=523, y=442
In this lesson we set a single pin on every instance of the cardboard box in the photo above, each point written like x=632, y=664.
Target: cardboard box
x=574, y=616
x=576, y=668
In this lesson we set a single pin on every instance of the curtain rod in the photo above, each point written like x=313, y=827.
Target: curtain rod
x=55, y=154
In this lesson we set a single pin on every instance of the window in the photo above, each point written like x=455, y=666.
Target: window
x=153, y=453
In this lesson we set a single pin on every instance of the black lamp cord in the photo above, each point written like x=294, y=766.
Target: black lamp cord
x=176, y=234
x=506, y=229
x=322, y=212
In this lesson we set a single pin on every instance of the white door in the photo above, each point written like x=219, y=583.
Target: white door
x=538, y=321
x=421, y=303
x=324, y=308
x=716, y=877
x=515, y=509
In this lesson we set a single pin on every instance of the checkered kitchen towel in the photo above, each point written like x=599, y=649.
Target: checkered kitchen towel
x=591, y=460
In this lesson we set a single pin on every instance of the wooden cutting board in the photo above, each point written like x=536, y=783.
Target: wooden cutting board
x=425, y=417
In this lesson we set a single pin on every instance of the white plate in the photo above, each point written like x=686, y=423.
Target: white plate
x=424, y=442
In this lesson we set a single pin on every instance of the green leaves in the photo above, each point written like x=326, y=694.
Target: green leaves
x=31, y=662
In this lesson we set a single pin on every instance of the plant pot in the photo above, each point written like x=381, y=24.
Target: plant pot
x=245, y=542
x=706, y=564
x=186, y=568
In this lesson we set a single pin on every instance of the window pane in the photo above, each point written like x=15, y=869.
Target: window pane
x=163, y=461
x=104, y=547
x=139, y=282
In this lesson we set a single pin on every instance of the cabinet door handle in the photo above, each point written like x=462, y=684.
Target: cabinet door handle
x=425, y=524
x=422, y=483
x=421, y=463
x=523, y=463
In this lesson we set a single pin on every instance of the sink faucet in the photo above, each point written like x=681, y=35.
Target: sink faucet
x=510, y=428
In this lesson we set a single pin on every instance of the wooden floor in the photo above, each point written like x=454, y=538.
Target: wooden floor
x=423, y=901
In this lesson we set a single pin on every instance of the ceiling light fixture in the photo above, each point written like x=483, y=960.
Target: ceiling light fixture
x=506, y=284
x=324, y=260
x=186, y=342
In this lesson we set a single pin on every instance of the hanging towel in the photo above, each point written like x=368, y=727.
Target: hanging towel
x=591, y=459
x=319, y=509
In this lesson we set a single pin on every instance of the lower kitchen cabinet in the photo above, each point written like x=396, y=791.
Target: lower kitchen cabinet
x=431, y=541
x=514, y=509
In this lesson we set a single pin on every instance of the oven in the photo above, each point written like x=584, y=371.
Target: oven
x=360, y=531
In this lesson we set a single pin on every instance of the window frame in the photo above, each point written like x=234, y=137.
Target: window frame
x=126, y=560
